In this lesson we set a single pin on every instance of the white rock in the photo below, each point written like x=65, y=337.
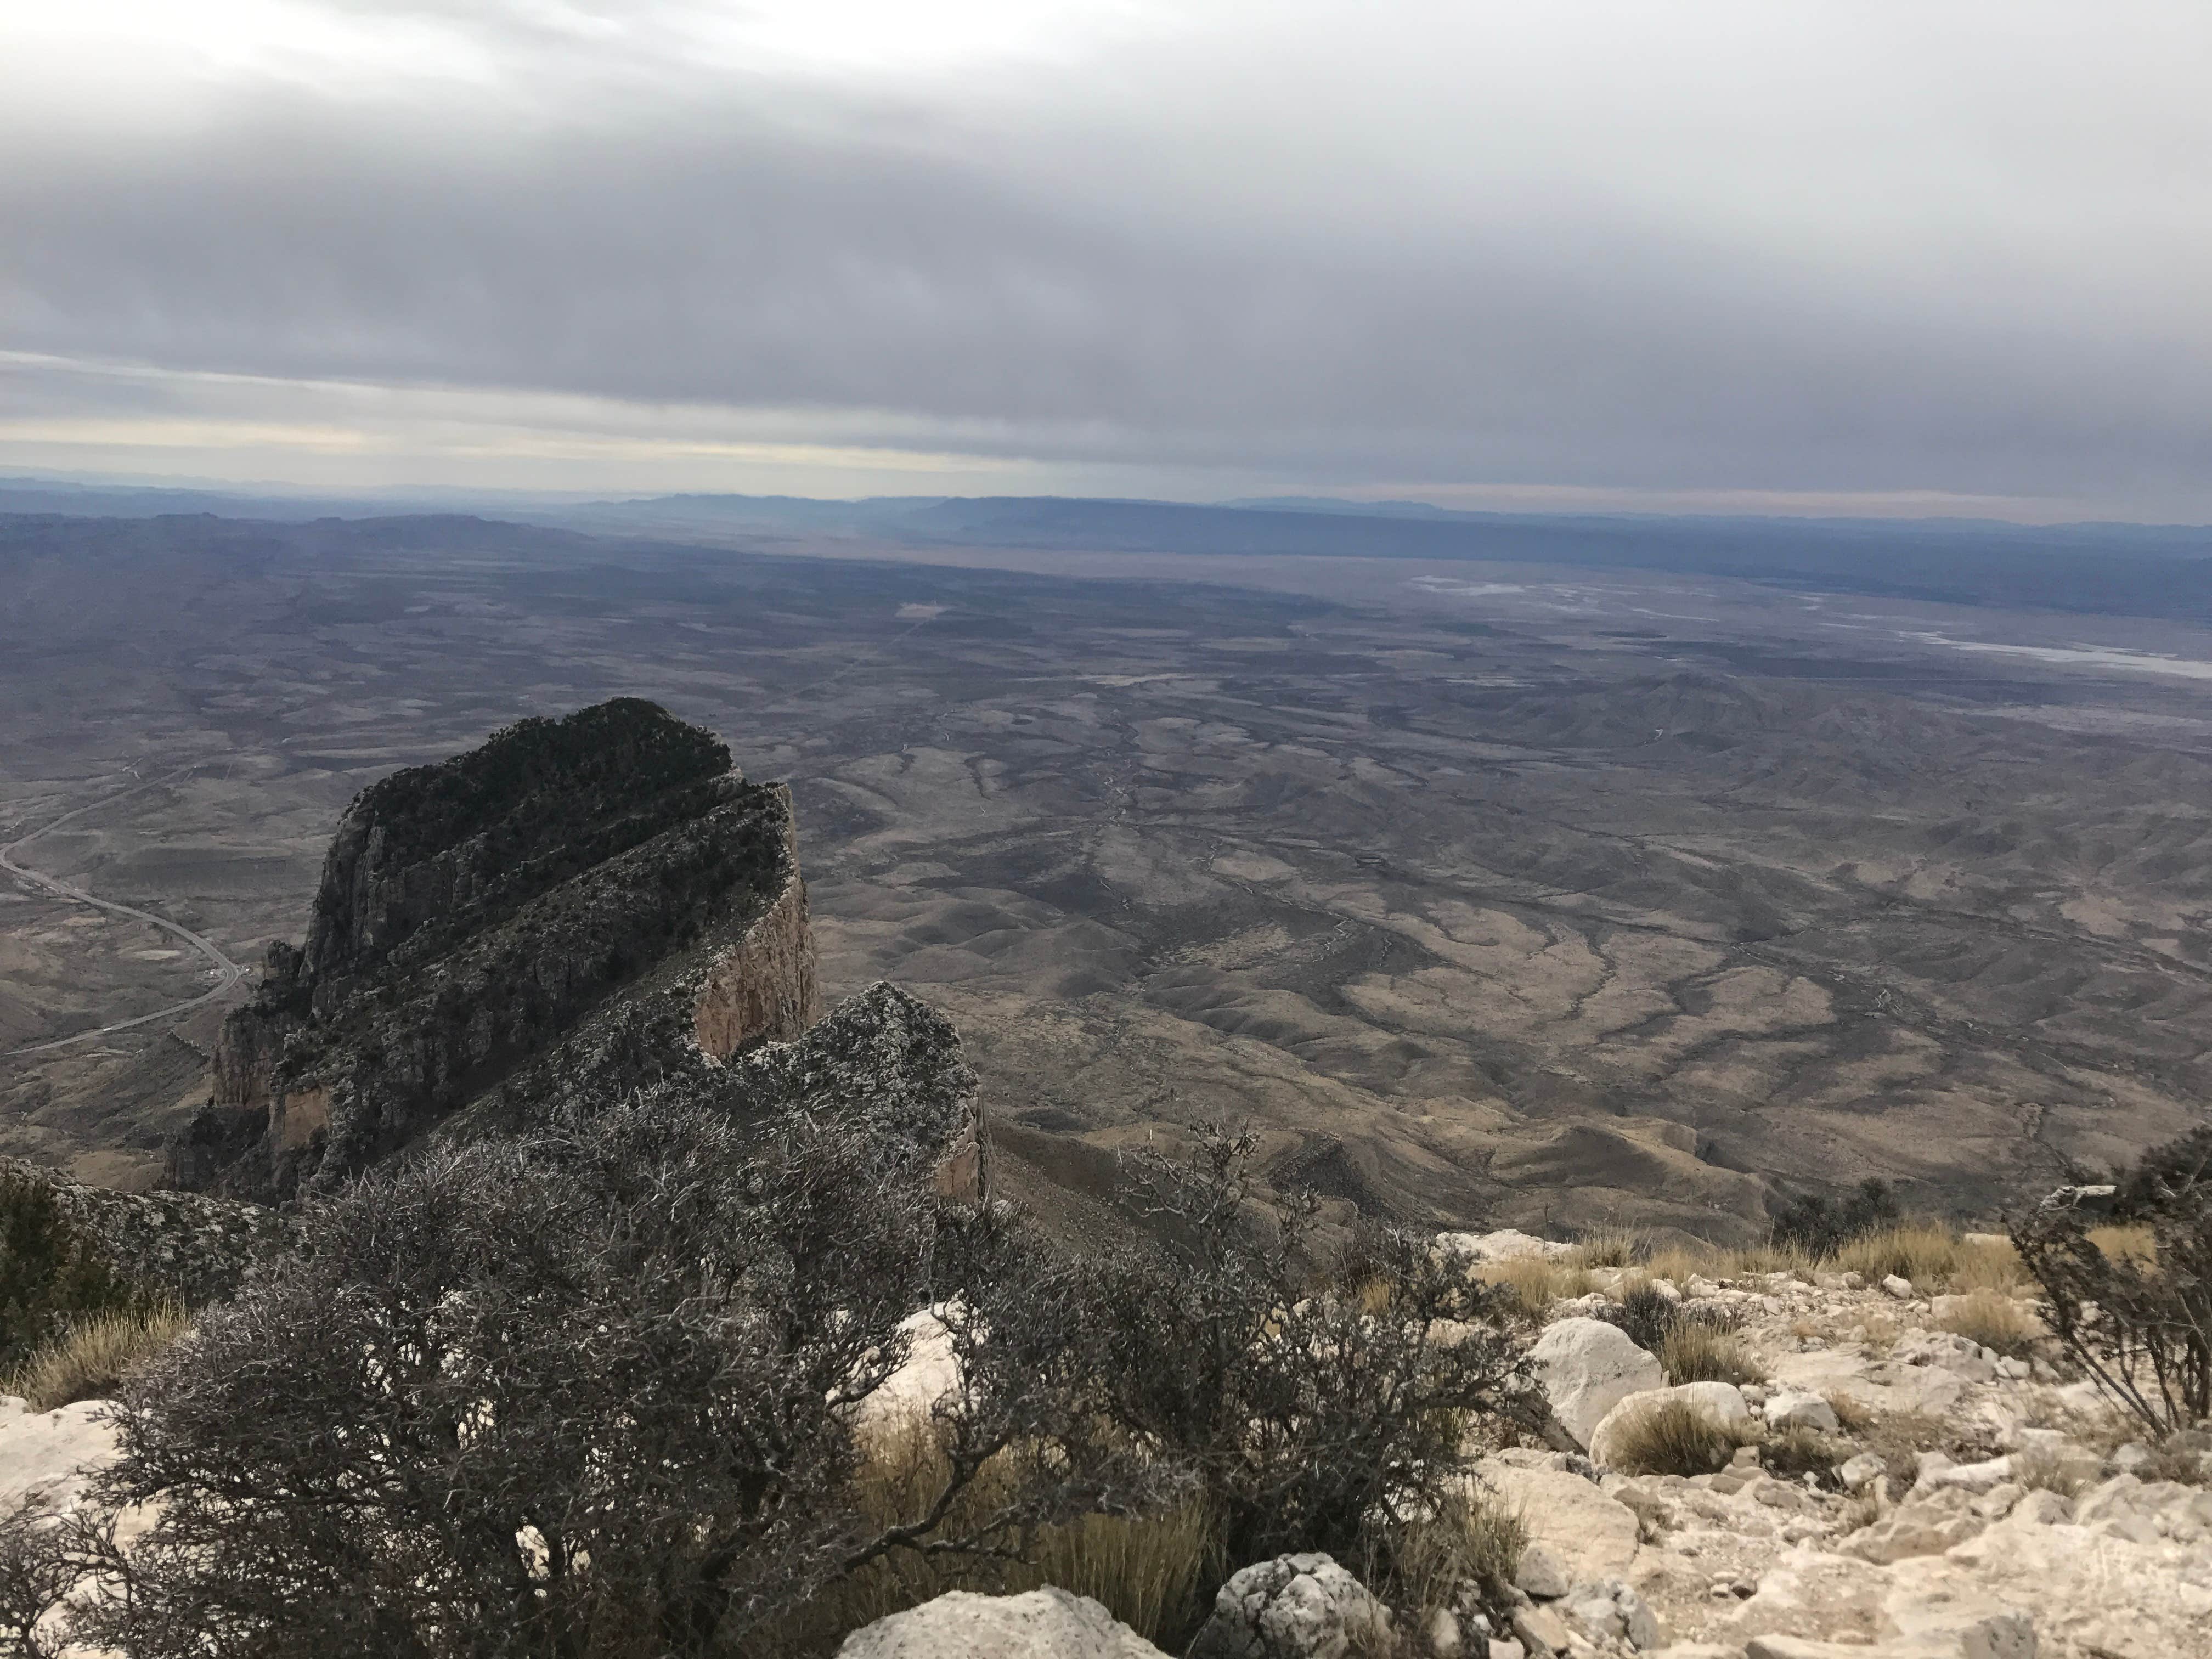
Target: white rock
x=1588, y=1367
x=1042, y=1624
x=1722, y=1402
x=51, y=1454
x=1609, y=1610
x=1506, y=1648
x=1295, y=1607
x=1440, y=1634
x=1800, y=1408
x=1862, y=1471
x=1503, y=1245
x=930, y=1373
x=1595, y=1536
x=1969, y=1477
x=1541, y=1574
x=1899, y=1288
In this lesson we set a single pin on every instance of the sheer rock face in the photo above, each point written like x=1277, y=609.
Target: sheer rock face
x=607, y=876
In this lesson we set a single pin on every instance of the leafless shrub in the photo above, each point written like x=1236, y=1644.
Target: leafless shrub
x=1306, y=1414
x=589, y=1393
x=2138, y=1321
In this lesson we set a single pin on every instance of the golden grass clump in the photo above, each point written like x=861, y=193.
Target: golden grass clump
x=90, y=1359
x=1995, y=1320
x=1993, y=1265
x=1150, y=1571
x=2135, y=1244
x=1673, y=1436
x=1537, y=1283
x=1610, y=1247
x=1474, y=1536
x=1921, y=1251
x=1694, y=1352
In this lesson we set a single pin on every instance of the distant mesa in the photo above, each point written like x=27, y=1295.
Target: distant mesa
x=580, y=909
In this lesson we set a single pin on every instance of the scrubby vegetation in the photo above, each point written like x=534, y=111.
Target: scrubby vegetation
x=2137, y=1317
x=607, y=1391
x=1817, y=1226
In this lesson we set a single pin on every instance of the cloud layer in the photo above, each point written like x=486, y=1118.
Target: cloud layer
x=1826, y=249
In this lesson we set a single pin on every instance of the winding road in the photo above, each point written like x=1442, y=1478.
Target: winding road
x=230, y=972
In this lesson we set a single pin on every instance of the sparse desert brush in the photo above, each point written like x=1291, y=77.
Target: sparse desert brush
x=2045, y=1471
x=1535, y=1283
x=1852, y=1413
x=1673, y=1437
x=1694, y=1351
x=1610, y=1247
x=90, y=1359
x=1800, y=1451
x=1987, y=1266
x=2132, y=1305
x=1473, y=1536
x=1920, y=1251
x=1995, y=1320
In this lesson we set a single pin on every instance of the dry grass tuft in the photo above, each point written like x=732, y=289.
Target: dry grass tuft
x=1800, y=1451
x=1537, y=1283
x=1925, y=1254
x=1996, y=1321
x=1852, y=1413
x=2133, y=1243
x=1474, y=1537
x=1150, y=1571
x=2043, y=1471
x=1987, y=1267
x=1675, y=1438
x=1694, y=1352
x=1610, y=1247
x=89, y=1360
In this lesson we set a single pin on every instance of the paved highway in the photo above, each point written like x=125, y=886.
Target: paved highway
x=229, y=972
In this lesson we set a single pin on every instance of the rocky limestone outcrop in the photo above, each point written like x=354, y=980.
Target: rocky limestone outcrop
x=186, y=1245
x=1040, y=1624
x=476, y=916
x=2021, y=1534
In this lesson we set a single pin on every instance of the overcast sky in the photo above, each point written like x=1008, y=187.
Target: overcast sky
x=1860, y=255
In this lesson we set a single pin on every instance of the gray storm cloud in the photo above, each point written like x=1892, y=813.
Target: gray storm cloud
x=1441, y=245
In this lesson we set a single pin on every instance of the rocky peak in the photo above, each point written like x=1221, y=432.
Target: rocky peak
x=607, y=871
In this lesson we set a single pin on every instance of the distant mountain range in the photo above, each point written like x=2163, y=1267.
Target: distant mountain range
x=2121, y=569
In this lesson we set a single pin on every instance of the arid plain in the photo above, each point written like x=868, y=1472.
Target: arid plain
x=1488, y=893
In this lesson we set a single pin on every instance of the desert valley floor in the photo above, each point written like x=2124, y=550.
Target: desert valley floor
x=1491, y=894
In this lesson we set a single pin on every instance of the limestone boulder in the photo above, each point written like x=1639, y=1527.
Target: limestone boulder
x=1477, y=1249
x=49, y=1456
x=1295, y=1607
x=1800, y=1408
x=1042, y=1624
x=1590, y=1536
x=1587, y=1367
